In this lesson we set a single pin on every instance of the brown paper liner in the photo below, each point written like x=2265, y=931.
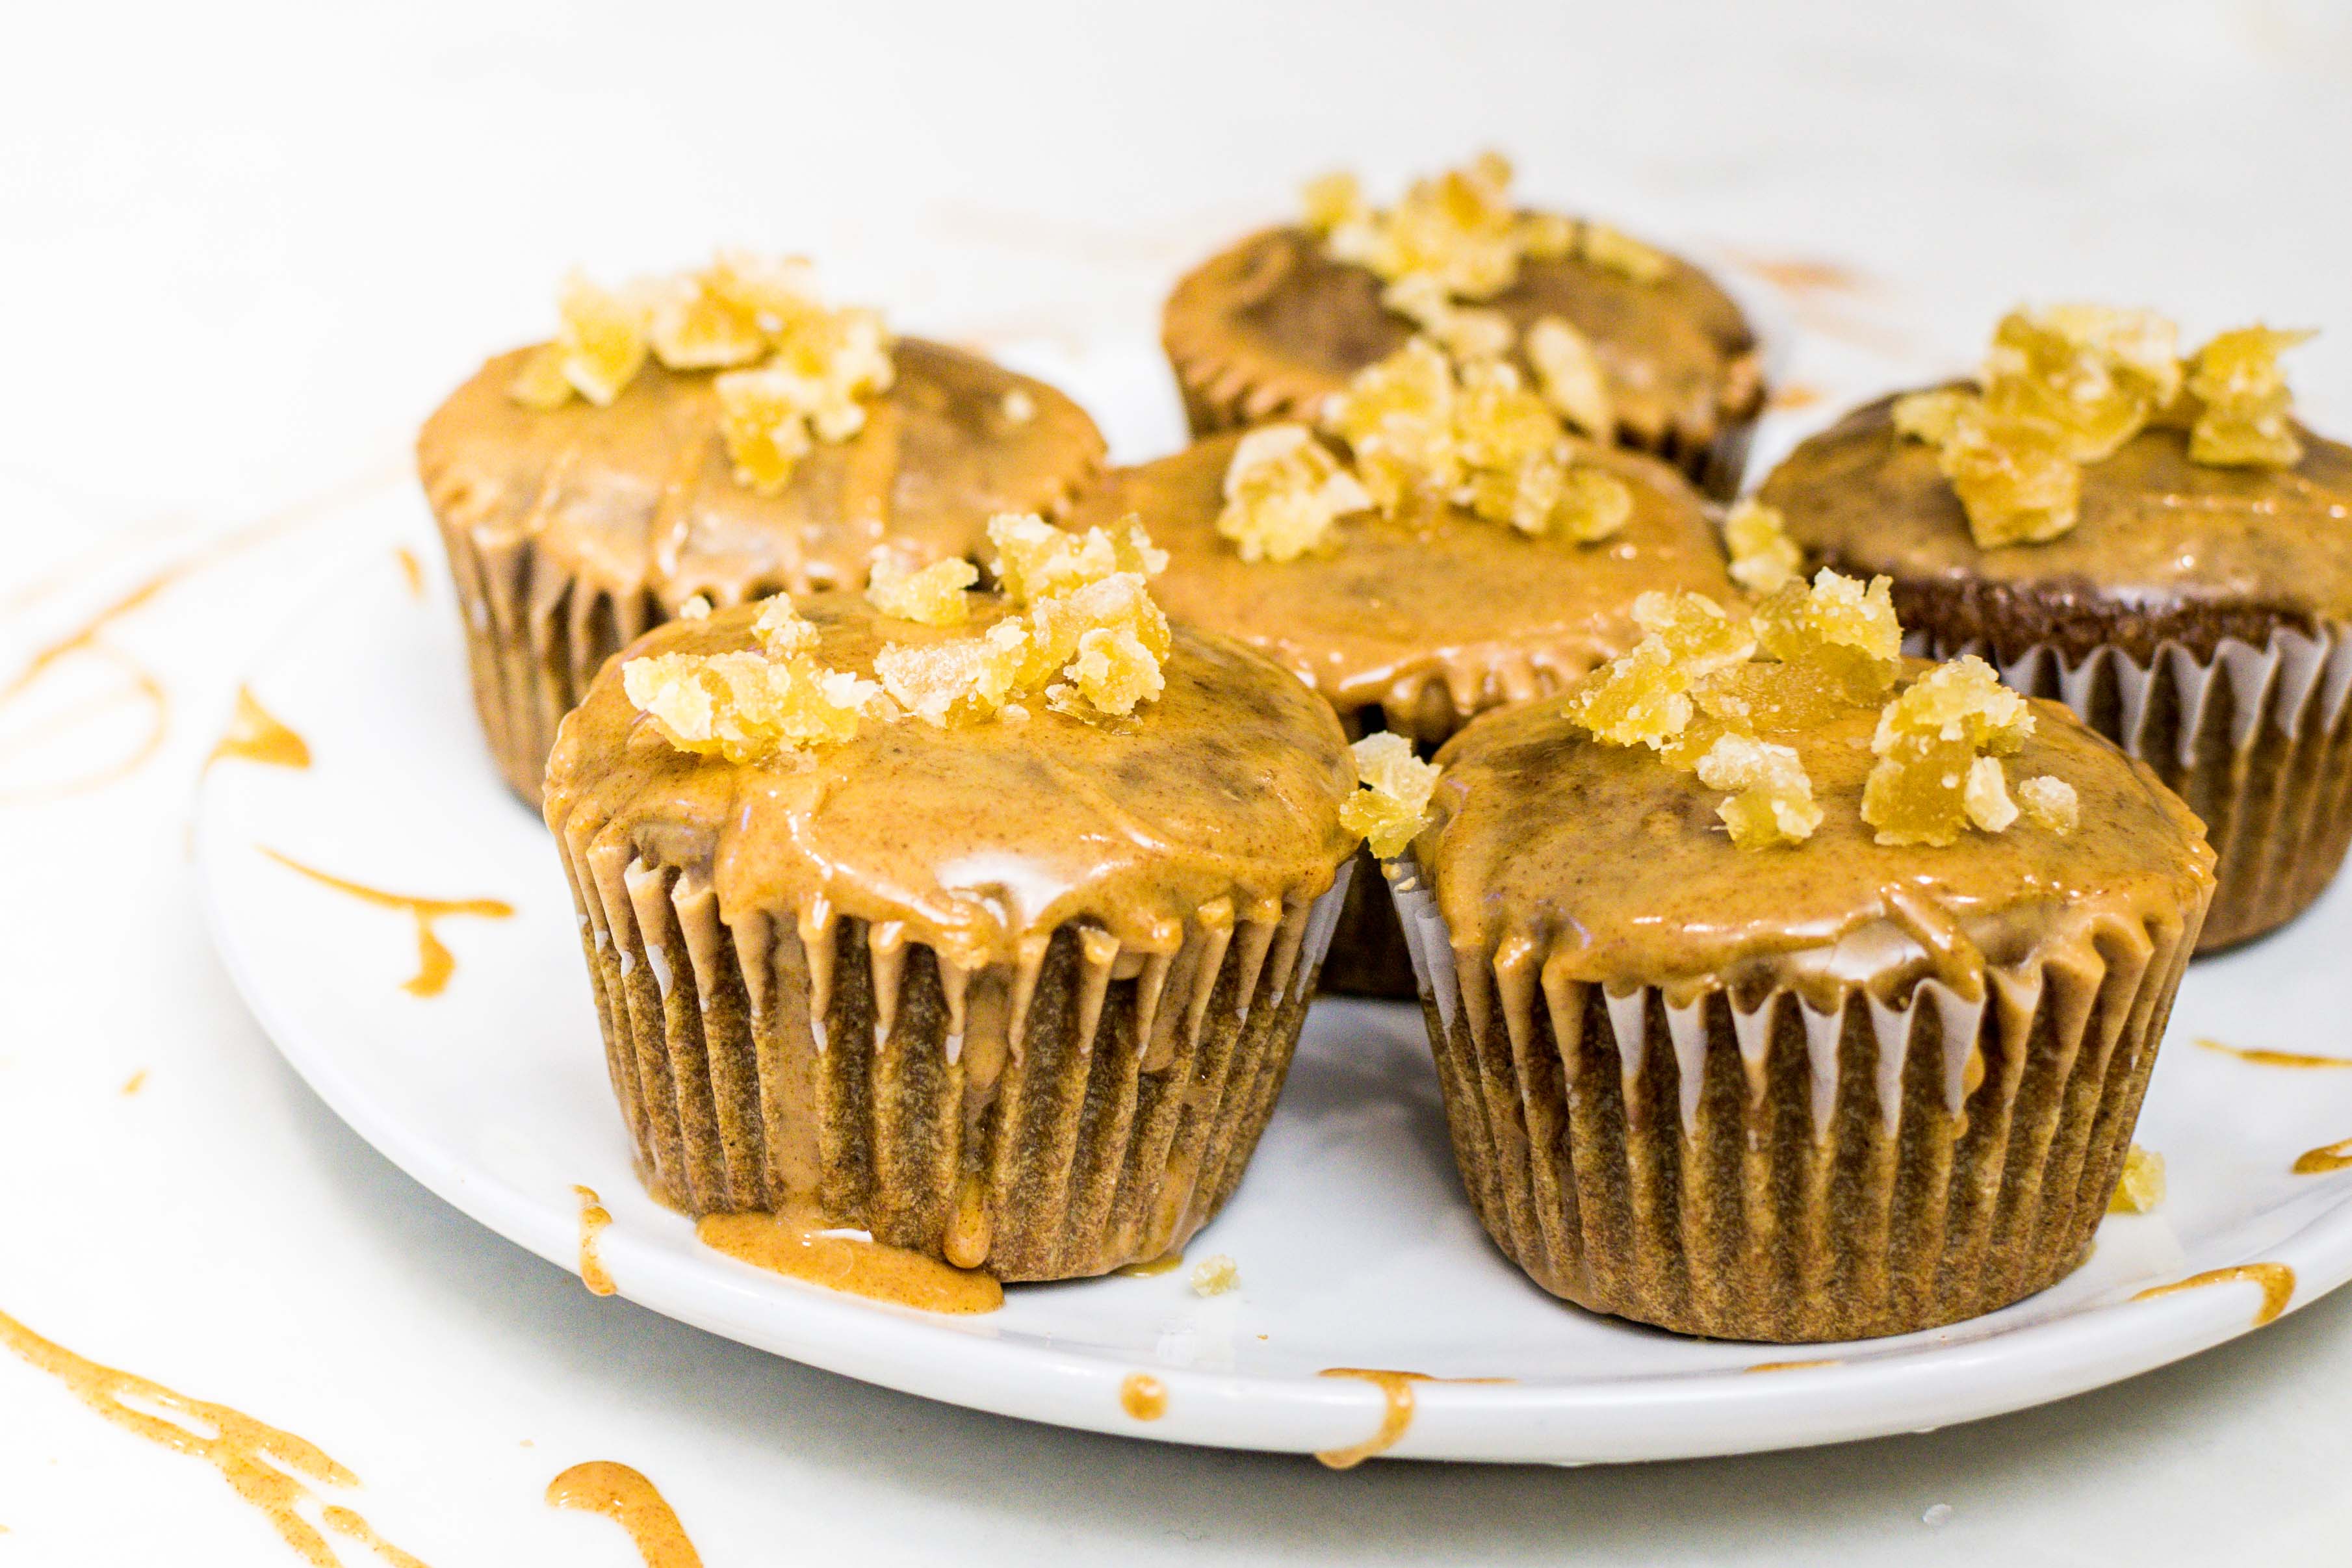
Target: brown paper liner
x=2256, y=741
x=1777, y=1171
x=1089, y=1107
x=537, y=631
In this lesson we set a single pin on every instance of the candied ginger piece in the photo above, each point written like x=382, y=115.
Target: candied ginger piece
x=774, y=294
x=764, y=418
x=1763, y=557
x=1547, y=237
x=2141, y=1188
x=1464, y=332
x=839, y=357
x=932, y=596
x=1697, y=631
x=541, y=383
x=2050, y=802
x=694, y=328
x=1985, y=796
x=1571, y=378
x=781, y=629
x=1394, y=802
x=1961, y=700
x=745, y=706
x=1397, y=418
x=1499, y=424
x=929, y=680
x=1458, y=228
x=2244, y=419
x=2017, y=479
x=1113, y=671
x=1332, y=200
x=695, y=609
x=2094, y=373
x=1773, y=799
x=1592, y=505
x=1612, y=251
x=1838, y=623
x=1216, y=1276
x=1036, y=560
x=1926, y=787
x=1931, y=416
x=597, y=351
x=1642, y=697
x=1284, y=490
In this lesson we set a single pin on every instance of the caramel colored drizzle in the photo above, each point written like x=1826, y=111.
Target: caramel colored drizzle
x=594, y=1217
x=626, y=1497
x=2276, y=1280
x=1794, y=395
x=1166, y=1263
x=135, y=1082
x=1803, y=274
x=801, y=1247
x=411, y=569
x=1792, y=1365
x=1143, y=1396
x=1397, y=1387
x=2261, y=1058
x=255, y=734
x=2329, y=1157
x=434, y=962
x=271, y=1469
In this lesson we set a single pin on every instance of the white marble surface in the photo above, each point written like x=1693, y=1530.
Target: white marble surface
x=248, y=247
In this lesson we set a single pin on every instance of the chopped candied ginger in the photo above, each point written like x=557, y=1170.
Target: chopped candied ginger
x=1284, y=490
x=1091, y=642
x=1571, y=378
x=1643, y=696
x=2141, y=1188
x=1459, y=228
x=1698, y=634
x=1547, y=237
x=2017, y=478
x=2094, y=373
x=2050, y=803
x=1771, y=799
x=781, y=630
x=932, y=596
x=2243, y=418
x=1763, y=557
x=1397, y=418
x=1931, y=416
x=1464, y=332
x=1332, y=200
x=1838, y=624
x=1393, y=802
x=597, y=351
x=764, y=418
x=694, y=328
x=1036, y=560
x=1611, y=251
x=747, y=707
x=1592, y=505
x=1216, y=1276
x=1926, y=787
x=695, y=609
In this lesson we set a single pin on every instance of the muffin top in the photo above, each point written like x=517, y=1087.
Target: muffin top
x=2156, y=530
x=2132, y=502
x=1216, y=797
x=1289, y=314
x=1429, y=612
x=732, y=437
x=1887, y=820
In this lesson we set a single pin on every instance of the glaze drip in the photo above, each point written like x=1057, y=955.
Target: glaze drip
x=626, y=1497
x=2276, y=1280
x=434, y=963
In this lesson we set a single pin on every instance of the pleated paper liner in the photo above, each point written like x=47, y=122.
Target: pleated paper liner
x=1089, y=1107
x=537, y=631
x=1757, y=1166
x=2254, y=739
x=1228, y=383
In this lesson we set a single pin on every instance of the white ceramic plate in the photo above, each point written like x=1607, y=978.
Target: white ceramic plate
x=1355, y=1245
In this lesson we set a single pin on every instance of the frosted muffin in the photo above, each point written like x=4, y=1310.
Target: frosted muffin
x=985, y=923
x=2152, y=540
x=1635, y=346
x=717, y=436
x=1411, y=587
x=1784, y=989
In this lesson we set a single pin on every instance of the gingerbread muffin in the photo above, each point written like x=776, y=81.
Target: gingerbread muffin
x=1782, y=988
x=982, y=923
x=2151, y=539
x=1446, y=547
x=1635, y=346
x=713, y=437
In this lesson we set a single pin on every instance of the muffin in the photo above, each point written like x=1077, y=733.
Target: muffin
x=718, y=438
x=1785, y=990
x=1395, y=598
x=984, y=923
x=2153, y=542
x=1635, y=346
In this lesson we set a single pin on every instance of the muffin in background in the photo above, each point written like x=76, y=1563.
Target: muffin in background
x=984, y=923
x=2150, y=538
x=708, y=439
x=1785, y=990
x=1635, y=346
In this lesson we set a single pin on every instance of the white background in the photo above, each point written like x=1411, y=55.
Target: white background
x=246, y=249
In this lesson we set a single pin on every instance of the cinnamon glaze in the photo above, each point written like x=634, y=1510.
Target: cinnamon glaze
x=626, y=1497
x=1143, y=1396
x=434, y=963
x=802, y=1245
x=255, y=734
x=594, y=1217
x=2276, y=1280
x=2263, y=1057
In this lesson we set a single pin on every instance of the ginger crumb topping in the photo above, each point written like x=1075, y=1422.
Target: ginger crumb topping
x=1620, y=252
x=1216, y=1276
x=795, y=371
x=2141, y=1188
x=1763, y=556
x=751, y=707
x=1571, y=378
x=1284, y=489
x=1939, y=746
x=695, y=609
x=2069, y=385
x=933, y=596
x=1482, y=440
x=1091, y=641
x=1393, y=801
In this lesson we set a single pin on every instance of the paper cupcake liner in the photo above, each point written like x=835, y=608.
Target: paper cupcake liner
x=2254, y=739
x=1091, y=1106
x=1771, y=1169
x=537, y=632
